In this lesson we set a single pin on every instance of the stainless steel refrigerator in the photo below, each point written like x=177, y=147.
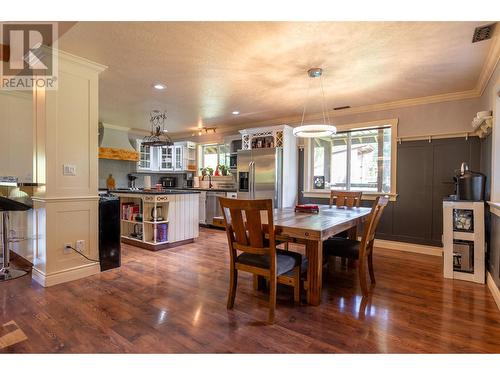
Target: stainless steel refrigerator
x=260, y=174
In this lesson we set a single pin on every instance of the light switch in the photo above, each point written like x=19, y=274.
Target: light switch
x=69, y=170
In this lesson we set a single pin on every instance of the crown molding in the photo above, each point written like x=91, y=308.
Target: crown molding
x=81, y=61
x=489, y=65
x=294, y=120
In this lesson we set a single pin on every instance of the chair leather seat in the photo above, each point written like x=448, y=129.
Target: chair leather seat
x=303, y=267
x=285, y=260
x=341, y=247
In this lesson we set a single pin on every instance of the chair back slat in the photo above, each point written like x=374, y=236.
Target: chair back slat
x=372, y=224
x=244, y=227
x=345, y=198
x=238, y=226
x=254, y=228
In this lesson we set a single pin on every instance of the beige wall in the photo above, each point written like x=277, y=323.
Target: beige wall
x=426, y=119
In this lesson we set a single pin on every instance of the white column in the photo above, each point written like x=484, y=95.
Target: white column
x=66, y=206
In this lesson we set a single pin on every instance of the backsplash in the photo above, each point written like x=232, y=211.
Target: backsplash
x=119, y=169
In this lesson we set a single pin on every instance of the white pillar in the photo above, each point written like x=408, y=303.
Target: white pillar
x=66, y=206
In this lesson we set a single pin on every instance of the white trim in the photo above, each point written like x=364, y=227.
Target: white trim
x=393, y=123
x=495, y=292
x=64, y=276
x=81, y=61
x=65, y=199
x=409, y=247
x=494, y=208
x=367, y=196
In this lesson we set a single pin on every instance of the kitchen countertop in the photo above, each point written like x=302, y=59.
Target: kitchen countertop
x=206, y=189
x=153, y=192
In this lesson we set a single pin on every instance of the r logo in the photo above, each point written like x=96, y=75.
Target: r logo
x=32, y=54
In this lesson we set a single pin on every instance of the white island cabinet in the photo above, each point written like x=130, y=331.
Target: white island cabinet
x=156, y=220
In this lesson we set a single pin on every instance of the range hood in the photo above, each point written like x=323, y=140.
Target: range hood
x=114, y=144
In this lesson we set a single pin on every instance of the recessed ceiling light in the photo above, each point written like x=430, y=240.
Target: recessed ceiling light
x=235, y=112
x=160, y=86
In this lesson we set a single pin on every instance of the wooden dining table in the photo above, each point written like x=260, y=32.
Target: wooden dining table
x=312, y=229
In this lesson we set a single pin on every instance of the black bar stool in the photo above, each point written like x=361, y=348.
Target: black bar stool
x=7, y=205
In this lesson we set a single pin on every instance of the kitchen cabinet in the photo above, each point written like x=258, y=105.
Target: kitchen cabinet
x=179, y=157
x=179, y=162
x=203, y=209
x=146, y=157
x=166, y=158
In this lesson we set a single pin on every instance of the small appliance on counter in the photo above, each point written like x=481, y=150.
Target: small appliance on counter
x=189, y=180
x=131, y=181
x=469, y=186
x=168, y=182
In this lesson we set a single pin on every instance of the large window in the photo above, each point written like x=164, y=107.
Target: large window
x=213, y=155
x=354, y=159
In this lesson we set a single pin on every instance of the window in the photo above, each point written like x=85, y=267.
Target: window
x=213, y=155
x=356, y=158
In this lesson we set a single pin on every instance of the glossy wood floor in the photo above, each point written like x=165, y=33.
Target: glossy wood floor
x=174, y=301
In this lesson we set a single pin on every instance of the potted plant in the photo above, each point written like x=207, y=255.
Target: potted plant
x=224, y=170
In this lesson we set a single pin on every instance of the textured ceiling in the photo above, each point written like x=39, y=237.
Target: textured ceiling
x=259, y=68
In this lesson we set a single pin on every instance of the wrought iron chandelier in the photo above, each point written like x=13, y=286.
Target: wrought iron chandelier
x=316, y=130
x=158, y=136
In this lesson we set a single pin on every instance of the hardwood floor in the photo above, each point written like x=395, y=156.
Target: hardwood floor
x=174, y=301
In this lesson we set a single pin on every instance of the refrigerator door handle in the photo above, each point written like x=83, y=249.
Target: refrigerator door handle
x=252, y=171
x=250, y=177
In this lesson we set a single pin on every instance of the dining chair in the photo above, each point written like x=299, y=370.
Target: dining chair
x=359, y=250
x=341, y=198
x=250, y=250
x=346, y=199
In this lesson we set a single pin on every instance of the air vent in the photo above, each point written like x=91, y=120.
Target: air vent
x=483, y=33
x=339, y=108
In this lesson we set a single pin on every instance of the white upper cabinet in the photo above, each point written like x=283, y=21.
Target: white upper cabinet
x=166, y=155
x=179, y=157
x=145, y=162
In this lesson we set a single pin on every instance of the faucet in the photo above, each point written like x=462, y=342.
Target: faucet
x=210, y=181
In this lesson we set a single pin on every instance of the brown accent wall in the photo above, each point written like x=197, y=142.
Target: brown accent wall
x=424, y=176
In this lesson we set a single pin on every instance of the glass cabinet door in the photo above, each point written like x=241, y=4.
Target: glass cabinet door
x=178, y=165
x=144, y=162
x=166, y=162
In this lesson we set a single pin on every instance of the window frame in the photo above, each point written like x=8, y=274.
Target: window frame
x=309, y=190
x=202, y=149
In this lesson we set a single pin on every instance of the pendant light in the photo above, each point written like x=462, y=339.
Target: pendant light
x=158, y=136
x=316, y=130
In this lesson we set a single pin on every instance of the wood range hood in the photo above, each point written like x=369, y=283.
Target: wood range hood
x=114, y=144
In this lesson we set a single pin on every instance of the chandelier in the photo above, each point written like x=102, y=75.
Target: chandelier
x=316, y=130
x=158, y=136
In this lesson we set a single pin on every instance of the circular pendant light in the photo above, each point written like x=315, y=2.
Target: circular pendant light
x=315, y=130
x=312, y=131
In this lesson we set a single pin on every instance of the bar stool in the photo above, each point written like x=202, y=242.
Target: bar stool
x=7, y=205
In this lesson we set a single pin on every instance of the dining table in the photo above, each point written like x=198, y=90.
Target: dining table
x=311, y=229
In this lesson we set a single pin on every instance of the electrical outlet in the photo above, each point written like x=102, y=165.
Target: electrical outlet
x=80, y=246
x=69, y=170
x=67, y=248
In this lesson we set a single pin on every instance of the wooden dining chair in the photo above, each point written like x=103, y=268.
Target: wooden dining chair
x=251, y=251
x=342, y=198
x=359, y=250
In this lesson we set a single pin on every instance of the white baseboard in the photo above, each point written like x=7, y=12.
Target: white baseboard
x=64, y=276
x=410, y=247
x=493, y=289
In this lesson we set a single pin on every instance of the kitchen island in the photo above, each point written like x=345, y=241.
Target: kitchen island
x=157, y=220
